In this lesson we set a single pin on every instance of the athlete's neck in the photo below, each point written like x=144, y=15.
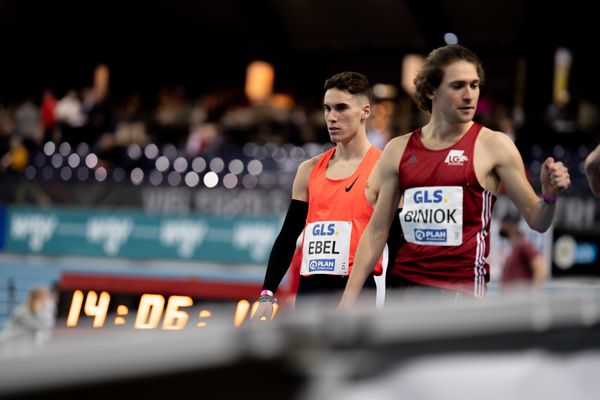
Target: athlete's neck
x=444, y=133
x=352, y=150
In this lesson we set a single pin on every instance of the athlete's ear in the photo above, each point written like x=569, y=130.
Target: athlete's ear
x=366, y=111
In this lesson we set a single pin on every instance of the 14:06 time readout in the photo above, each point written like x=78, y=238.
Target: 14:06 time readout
x=151, y=309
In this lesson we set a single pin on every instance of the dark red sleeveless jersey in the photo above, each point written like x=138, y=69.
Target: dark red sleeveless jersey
x=342, y=199
x=460, y=267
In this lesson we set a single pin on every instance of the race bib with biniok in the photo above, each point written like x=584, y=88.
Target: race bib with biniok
x=433, y=216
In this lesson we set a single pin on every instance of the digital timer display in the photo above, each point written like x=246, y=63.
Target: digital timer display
x=175, y=312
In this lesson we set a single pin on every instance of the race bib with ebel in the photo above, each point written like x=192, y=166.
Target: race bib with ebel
x=433, y=215
x=326, y=248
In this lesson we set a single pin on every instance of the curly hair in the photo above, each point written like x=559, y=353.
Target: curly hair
x=431, y=74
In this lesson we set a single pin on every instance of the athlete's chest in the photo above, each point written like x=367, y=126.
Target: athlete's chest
x=451, y=167
x=338, y=171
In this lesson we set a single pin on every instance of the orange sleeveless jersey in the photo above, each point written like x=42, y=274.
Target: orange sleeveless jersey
x=344, y=199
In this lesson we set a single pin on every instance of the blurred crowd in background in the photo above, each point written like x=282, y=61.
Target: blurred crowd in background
x=89, y=134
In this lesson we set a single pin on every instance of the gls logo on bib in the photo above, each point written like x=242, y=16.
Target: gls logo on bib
x=323, y=229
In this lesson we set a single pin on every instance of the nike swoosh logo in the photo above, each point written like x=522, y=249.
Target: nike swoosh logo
x=350, y=187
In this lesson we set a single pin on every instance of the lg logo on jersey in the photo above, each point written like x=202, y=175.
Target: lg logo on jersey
x=456, y=158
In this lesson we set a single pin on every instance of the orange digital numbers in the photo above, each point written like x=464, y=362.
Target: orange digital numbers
x=151, y=309
x=174, y=317
x=95, y=306
x=75, y=309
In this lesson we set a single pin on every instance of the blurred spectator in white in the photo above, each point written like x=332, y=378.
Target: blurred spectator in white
x=21, y=334
x=70, y=116
x=48, y=315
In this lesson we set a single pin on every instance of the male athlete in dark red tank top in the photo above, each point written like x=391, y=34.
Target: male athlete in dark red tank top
x=446, y=213
x=446, y=216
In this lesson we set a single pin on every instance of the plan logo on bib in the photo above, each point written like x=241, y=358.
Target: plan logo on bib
x=456, y=157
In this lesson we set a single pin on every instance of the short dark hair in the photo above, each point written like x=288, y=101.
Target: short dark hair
x=431, y=74
x=351, y=82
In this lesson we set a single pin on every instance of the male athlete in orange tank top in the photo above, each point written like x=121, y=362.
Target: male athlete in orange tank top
x=332, y=198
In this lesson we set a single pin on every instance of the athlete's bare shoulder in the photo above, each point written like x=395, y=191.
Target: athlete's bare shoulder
x=395, y=148
x=494, y=138
x=300, y=186
x=401, y=140
x=496, y=145
x=306, y=166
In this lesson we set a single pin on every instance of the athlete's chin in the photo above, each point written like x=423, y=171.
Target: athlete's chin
x=336, y=137
x=465, y=118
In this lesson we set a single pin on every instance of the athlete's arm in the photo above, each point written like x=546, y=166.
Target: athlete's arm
x=592, y=170
x=509, y=167
x=295, y=219
x=285, y=244
x=395, y=238
x=283, y=249
x=374, y=237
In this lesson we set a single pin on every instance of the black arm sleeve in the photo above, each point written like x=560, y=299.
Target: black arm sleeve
x=285, y=244
x=395, y=238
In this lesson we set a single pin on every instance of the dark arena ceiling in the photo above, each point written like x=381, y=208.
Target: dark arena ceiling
x=206, y=45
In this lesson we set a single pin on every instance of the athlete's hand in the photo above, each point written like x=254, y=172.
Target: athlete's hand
x=554, y=177
x=264, y=312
